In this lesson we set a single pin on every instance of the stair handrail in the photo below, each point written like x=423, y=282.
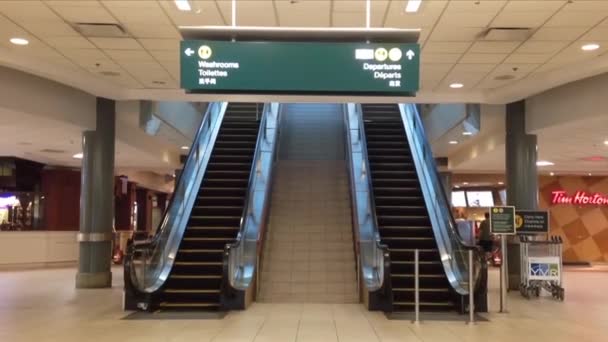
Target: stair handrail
x=374, y=256
x=452, y=248
x=148, y=262
x=240, y=257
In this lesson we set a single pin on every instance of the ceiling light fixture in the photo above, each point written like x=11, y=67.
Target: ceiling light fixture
x=183, y=5
x=457, y=186
x=19, y=41
x=185, y=147
x=413, y=6
x=590, y=47
x=77, y=156
x=467, y=133
x=551, y=173
x=544, y=163
x=453, y=142
x=606, y=142
x=456, y=85
x=501, y=183
x=465, y=183
x=589, y=174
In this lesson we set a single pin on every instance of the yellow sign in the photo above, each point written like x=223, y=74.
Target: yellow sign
x=204, y=52
x=519, y=221
x=381, y=54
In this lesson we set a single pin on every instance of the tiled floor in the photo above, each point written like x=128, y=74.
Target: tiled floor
x=44, y=306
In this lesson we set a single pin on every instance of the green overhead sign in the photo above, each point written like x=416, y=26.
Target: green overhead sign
x=300, y=67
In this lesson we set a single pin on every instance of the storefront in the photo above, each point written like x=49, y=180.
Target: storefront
x=577, y=206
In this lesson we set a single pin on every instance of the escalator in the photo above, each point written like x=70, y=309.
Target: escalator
x=403, y=219
x=190, y=263
x=195, y=280
x=401, y=208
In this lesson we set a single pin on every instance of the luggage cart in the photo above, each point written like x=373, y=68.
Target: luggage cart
x=541, y=267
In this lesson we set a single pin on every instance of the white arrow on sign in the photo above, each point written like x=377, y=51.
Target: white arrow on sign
x=189, y=52
x=410, y=54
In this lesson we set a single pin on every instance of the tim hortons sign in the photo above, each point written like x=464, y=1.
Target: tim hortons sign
x=579, y=198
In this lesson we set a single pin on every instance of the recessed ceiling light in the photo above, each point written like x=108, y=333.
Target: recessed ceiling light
x=456, y=85
x=544, y=163
x=501, y=183
x=413, y=6
x=183, y=5
x=453, y=142
x=457, y=186
x=590, y=47
x=19, y=41
x=465, y=183
x=589, y=174
x=185, y=147
x=77, y=156
x=467, y=133
x=551, y=173
x=606, y=142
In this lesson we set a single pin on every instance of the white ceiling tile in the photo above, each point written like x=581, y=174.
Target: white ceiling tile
x=160, y=44
x=440, y=57
x=27, y=9
x=515, y=68
x=534, y=5
x=73, y=3
x=85, y=14
x=446, y=47
x=429, y=84
x=165, y=55
x=204, y=13
x=534, y=58
x=131, y=4
x=142, y=15
x=467, y=78
x=349, y=19
x=541, y=47
x=129, y=55
x=597, y=34
x=435, y=71
x=426, y=16
x=493, y=47
x=464, y=67
x=483, y=58
x=70, y=42
x=304, y=13
x=475, y=6
x=116, y=43
x=588, y=5
x=521, y=19
x=448, y=33
x=86, y=57
x=567, y=18
x=558, y=33
x=254, y=12
x=47, y=28
x=152, y=30
x=467, y=19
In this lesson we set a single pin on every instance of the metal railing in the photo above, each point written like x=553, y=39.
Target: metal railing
x=372, y=253
x=241, y=256
x=148, y=262
x=452, y=249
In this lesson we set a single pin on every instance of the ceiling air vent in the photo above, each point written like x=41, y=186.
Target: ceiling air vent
x=518, y=34
x=101, y=30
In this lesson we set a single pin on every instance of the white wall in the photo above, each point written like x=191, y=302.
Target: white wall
x=37, y=249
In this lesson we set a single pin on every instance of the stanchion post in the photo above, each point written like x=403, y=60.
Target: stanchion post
x=503, y=274
x=417, y=285
x=471, y=289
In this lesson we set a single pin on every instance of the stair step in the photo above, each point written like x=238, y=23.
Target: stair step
x=440, y=304
x=420, y=289
x=207, y=239
x=212, y=228
x=200, y=251
x=399, y=275
x=197, y=263
x=188, y=305
x=193, y=276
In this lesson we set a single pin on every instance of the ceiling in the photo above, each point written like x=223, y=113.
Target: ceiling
x=453, y=49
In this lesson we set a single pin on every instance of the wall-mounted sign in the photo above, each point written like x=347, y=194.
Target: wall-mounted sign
x=531, y=222
x=502, y=220
x=579, y=198
x=300, y=67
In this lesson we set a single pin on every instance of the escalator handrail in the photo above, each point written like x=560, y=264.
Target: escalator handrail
x=184, y=188
x=380, y=250
x=238, y=243
x=435, y=187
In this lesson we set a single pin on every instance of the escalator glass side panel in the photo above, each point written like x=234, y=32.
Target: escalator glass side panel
x=149, y=262
x=452, y=249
